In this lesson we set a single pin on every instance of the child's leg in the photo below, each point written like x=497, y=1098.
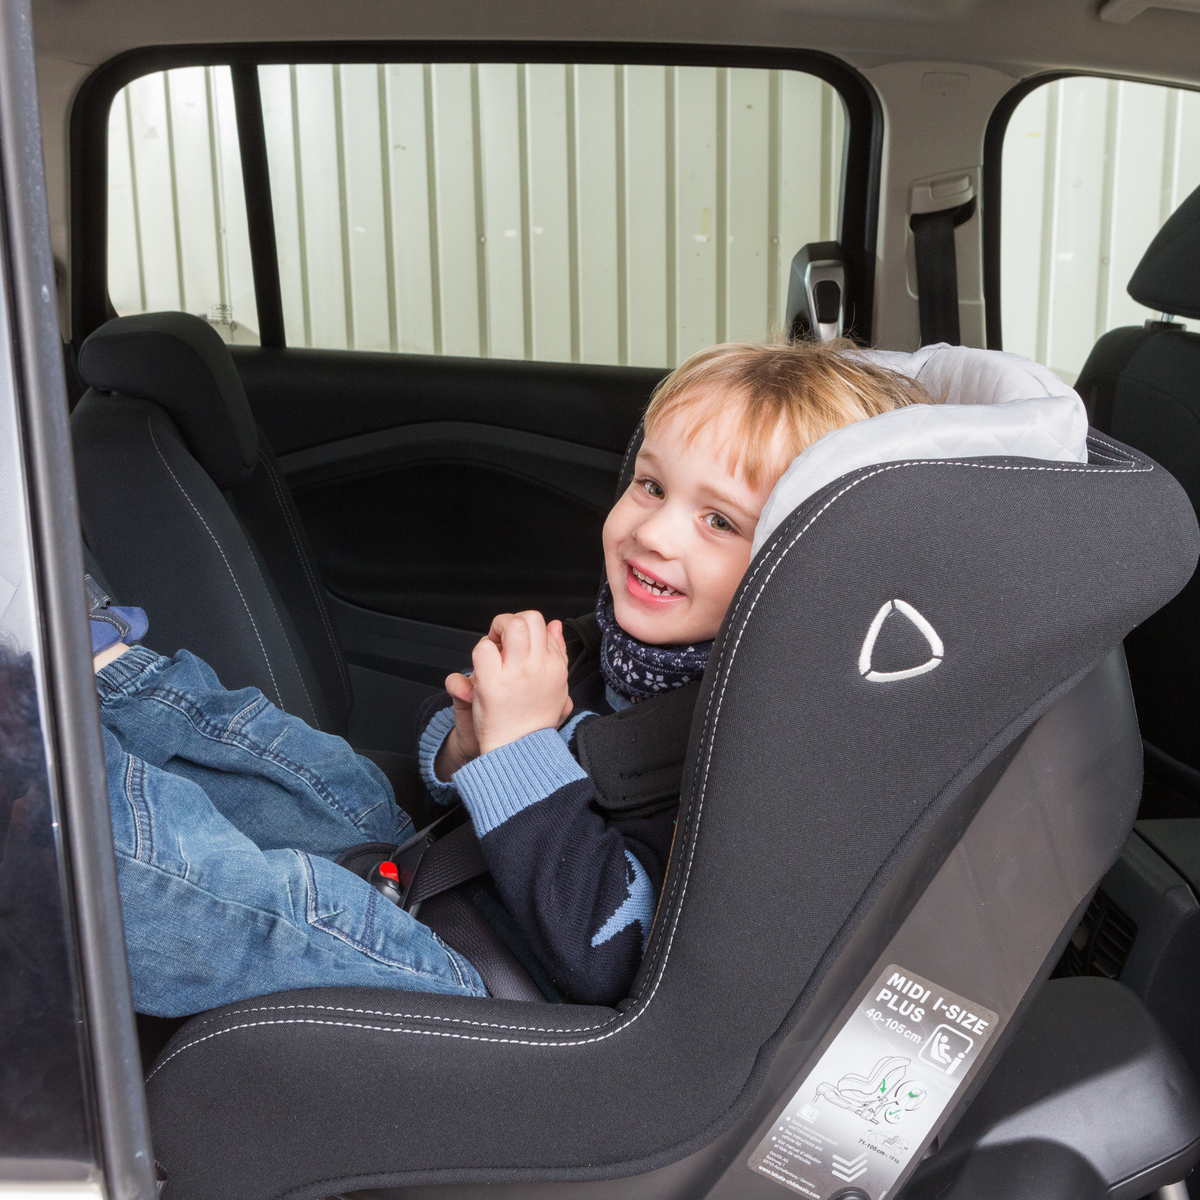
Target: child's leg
x=211, y=919
x=282, y=783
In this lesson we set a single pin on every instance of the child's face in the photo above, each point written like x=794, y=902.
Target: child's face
x=677, y=543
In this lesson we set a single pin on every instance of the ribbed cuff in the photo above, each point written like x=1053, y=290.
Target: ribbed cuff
x=567, y=732
x=126, y=675
x=435, y=733
x=507, y=780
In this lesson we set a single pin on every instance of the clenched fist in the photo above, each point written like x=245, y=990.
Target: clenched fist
x=518, y=686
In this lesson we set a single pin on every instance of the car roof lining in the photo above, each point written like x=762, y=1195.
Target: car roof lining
x=1020, y=37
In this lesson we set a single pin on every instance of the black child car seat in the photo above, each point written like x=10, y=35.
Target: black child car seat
x=846, y=834
x=1142, y=385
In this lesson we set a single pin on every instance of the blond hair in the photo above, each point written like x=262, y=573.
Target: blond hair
x=801, y=389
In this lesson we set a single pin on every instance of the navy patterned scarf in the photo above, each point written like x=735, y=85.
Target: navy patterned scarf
x=637, y=670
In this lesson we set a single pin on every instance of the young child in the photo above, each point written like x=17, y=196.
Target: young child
x=227, y=813
x=583, y=882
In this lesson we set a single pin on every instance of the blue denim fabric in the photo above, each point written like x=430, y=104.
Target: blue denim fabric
x=226, y=814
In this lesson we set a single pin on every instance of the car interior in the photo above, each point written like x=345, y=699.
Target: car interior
x=360, y=308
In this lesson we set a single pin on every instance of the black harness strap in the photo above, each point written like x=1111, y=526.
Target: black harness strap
x=635, y=757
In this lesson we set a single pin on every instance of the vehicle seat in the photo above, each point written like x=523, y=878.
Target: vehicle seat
x=1142, y=385
x=184, y=508
x=951, y=817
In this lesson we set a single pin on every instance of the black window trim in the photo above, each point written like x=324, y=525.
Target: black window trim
x=993, y=162
x=90, y=304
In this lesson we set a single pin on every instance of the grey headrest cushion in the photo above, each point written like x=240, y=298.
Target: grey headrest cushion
x=180, y=363
x=985, y=404
x=1168, y=277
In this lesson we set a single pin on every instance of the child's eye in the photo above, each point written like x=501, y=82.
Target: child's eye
x=652, y=488
x=720, y=523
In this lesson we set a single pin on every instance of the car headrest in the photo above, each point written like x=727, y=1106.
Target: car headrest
x=1168, y=277
x=180, y=363
x=986, y=403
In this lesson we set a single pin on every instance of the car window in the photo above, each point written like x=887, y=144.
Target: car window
x=563, y=212
x=1091, y=169
x=177, y=236
x=583, y=213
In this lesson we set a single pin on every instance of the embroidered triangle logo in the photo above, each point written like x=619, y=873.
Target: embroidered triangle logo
x=936, y=649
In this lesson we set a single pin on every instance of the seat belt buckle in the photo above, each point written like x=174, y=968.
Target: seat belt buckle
x=407, y=860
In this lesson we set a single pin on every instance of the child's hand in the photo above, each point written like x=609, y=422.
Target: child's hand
x=461, y=745
x=520, y=679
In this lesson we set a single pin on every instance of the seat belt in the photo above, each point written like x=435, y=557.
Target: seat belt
x=456, y=920
x=937, y=207
x=443, y=863
x=431, y=865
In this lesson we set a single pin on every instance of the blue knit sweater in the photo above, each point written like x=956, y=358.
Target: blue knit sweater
x=583, y=887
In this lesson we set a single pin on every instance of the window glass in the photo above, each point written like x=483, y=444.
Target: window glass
x=177, y=236
x=1091, y=169
x=582, y=213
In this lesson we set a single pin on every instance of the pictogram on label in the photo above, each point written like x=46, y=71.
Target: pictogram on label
x=875, y=1097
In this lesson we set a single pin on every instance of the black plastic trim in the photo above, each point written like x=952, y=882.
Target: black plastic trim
x=1171, y=770
x=260, y=212
x=78, y=758
x=581, y=473
x=90, y=305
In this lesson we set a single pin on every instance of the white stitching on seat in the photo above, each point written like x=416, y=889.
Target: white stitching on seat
x=221, y=551
x=312, y=583
x=376, y=1012
x=291, y=653
x=625, y=460
x=711, y=718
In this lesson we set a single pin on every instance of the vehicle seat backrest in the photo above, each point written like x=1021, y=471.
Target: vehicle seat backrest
x=1142, y=385
x=183, y=506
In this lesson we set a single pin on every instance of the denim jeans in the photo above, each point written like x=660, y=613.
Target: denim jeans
x=226, y=815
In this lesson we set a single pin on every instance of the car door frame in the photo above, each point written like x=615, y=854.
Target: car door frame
x=71, y=728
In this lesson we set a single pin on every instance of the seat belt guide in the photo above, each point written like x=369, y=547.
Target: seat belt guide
x=877, y=1095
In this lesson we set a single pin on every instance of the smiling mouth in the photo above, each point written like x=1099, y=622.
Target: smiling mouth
x=653, y=586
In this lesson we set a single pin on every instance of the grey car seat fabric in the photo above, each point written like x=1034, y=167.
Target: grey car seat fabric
x=796, y=816
x=1142, y=385
x=183, y=506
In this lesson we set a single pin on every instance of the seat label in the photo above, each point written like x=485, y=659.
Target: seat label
x=876, y=1096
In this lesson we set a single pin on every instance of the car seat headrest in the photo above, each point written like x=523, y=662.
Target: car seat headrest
x=179, y=362
x=986, y=403
x=1168, y=277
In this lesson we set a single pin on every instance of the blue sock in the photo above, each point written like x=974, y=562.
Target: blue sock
x=112, y=624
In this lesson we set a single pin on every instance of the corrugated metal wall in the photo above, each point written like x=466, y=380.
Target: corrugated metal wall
x=595, y=213
x=1092, y=168
x=177, y=234
x=608, y=214
x=575, y=213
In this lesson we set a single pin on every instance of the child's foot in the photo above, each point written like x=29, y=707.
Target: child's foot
x=114, y=629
